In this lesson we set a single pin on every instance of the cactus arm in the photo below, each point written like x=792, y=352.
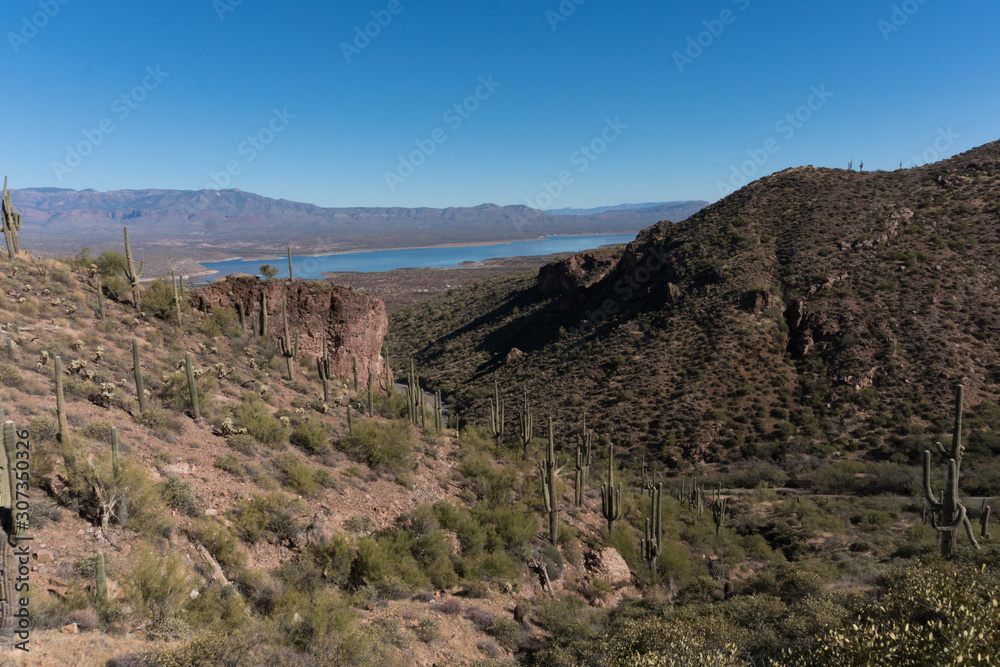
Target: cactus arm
x=928, y=492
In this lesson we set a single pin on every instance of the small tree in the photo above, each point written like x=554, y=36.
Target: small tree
x=268, y=271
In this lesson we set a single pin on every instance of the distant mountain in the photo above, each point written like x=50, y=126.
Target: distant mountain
x=604, y=209
x=208, y=223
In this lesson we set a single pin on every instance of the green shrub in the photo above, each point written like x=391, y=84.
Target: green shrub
x=507, y=632
x=10, y=375
x=98, y=430
x=244, y=443
x=297, y=475
x=180, y=495
x=230, y=463
x=271, y=517
x=157, y=585
x=386, y=447
x=43, y=429
x=252, y=414
x=428, y=630
x=222, y=542
x=310, y=435
x=158, y=300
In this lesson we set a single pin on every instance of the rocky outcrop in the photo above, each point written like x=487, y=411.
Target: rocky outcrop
x=568, y=279
x=354, y=324
x=609, y=565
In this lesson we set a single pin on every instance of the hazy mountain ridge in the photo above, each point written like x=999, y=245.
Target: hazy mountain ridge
x=605, y=209
x=206, y=220
x=811, y=311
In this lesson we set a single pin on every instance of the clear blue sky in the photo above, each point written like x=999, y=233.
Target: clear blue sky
x=689, y=123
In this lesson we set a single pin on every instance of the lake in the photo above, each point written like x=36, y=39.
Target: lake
x=417, y=258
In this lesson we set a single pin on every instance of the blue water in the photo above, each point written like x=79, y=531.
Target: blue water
x=386, y=260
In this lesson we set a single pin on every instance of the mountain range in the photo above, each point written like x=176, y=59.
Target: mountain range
x=213, y=223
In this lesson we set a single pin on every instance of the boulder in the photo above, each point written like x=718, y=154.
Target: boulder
x=609, y=565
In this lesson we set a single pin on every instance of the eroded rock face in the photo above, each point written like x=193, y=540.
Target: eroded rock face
x=569, y=279
x=354, y=324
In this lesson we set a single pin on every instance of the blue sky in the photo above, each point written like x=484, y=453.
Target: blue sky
x=668, y=100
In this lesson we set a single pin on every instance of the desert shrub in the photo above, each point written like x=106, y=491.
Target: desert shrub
x=111, y=263
x=43, y=429
x=10, y=375
x=86, y=619
x=253, y=415
x=176, y=394
x=333, y=557
x=310, y=435
x=153, y=418
x=297, y=475
x=428, y=630
x=157, y=585
x=180, y=495
x=271, y=517
x=386, y=447
x=451, y=606
x=244, y=443
x=928, y=610
x=217, y=606
x=230, y=463
x=507, y=632
x=360, y=525
x=98, y=430
x=158, y=300
x=222, y=542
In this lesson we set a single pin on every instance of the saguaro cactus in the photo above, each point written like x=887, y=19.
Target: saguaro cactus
x=984, y=521
x=241, y=313
x=263, y=313
x=525, y=426
x=291, y=276
x=496, y=413
x=354, y=360
x=132, y=273
x=100, y=302
x=350, y=421
x=289, y=350
x=116, y=464
x=371, y=394
x=948, y=513
x=325, y=370
x=719, y=510
x=10, y=221
x=177, y=296
x=61, y=403
x=385, y=382
x=192, y=386
x=650, y=545
x=611, y=499
x=413, y=395
x=584, y=457
x=438, y=413
x=549, y=473
x=140, y=388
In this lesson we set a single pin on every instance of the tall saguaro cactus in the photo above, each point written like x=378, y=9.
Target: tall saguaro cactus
x=140, y=388
x=10, y=220
x=263, y=313
x=719, y=510
x=438, y=412
x=61, y=403
x=325, y=370
x=289, y=350
x=611, y=499
x=291, y=276
x=550, y=473
x=584, y=457
x=496, y=413
x=132, y=273
x=984, y=521
x=948, y=513
x=650, y=545
x=414, y=394
x=525, y=426
x=177, y=296
x=192, y=387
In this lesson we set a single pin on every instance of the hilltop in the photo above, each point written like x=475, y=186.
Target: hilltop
x=813, y=312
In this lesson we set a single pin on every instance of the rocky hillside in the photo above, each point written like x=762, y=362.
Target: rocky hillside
x=814, y=311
